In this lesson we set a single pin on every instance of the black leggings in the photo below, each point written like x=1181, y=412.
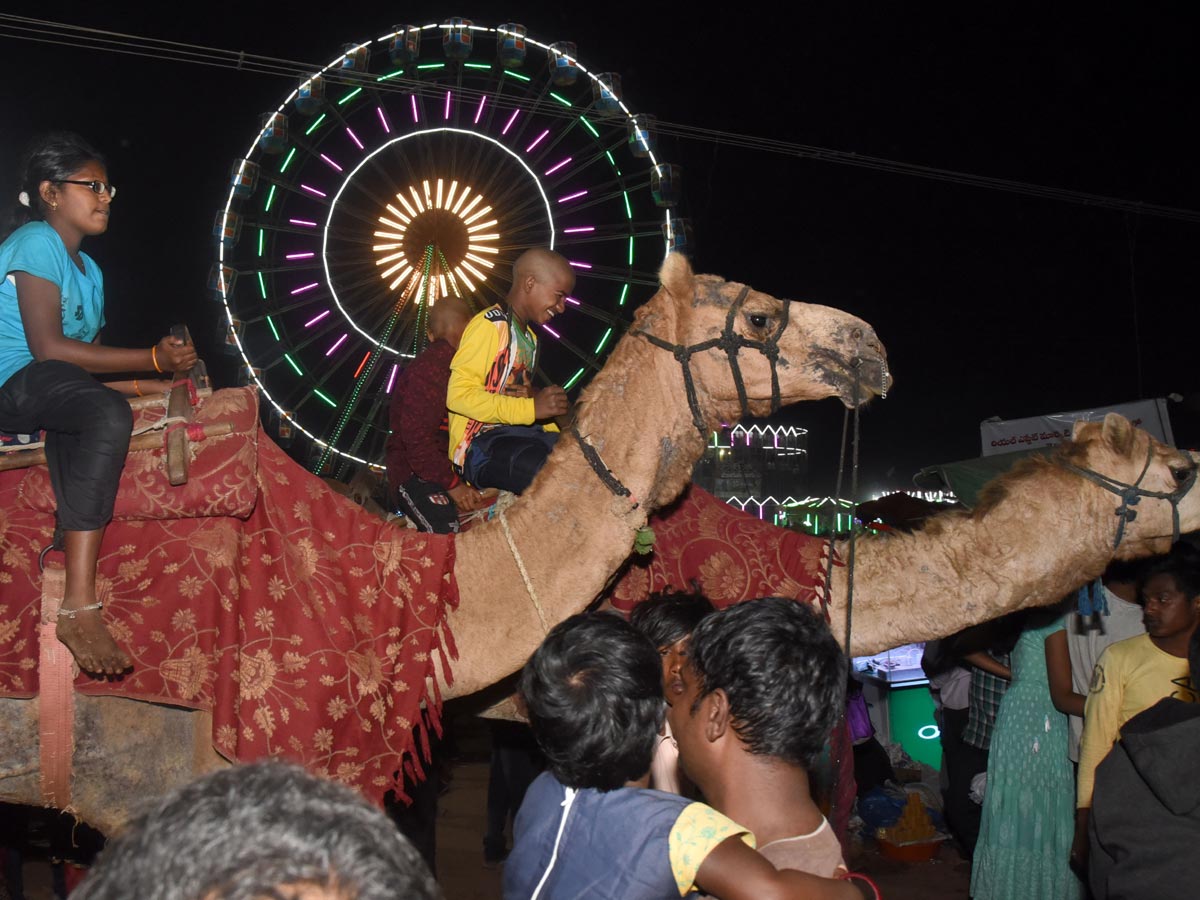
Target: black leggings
x=87, y=436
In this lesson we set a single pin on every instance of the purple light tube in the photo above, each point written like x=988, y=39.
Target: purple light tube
x=572, y=301
x=392, y=377
x=315, y=319
x=413, y=98
x=313, y=190
x=336, y=344
x=354, y=137
x=305, y=287
x=511, y=119
x=331, y=162
x=574, y=196
x=303, y=223
x=552, y=332
x=479, y=112
x=300, y=255
x=537, y=140
x=582, y=229
x=383, y=120
x=446, y=113
x=579, y=265
x=555, y=168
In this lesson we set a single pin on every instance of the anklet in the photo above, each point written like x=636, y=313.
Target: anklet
x=72, y=613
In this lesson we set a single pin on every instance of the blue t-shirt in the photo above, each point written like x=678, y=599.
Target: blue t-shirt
x=37, y=249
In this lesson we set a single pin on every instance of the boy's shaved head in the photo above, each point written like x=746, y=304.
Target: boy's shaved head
x=447, y=319
x=542, y=264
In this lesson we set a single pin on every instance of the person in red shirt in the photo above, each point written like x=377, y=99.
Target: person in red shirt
x=423, y=483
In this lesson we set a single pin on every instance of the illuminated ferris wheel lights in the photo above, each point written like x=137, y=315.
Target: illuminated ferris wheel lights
x=483, y=249
x=572, y=301
x=383, y=120
x=470, y=268
x=483, y=237
x=479, y=111
x=471, y=228
x=467, y=281
x=392, y=377
x=354, y=137
x=304, y=288
x=446, y=114
x=416, y=198
x=439, y=193
x=466, y=210
x=314, y=191
x=570, y=197
x=413, y=98
x=315, y=319
x=450, y=193
x=403, y=202
x=358, y=371
x=551, y=331
x=509, y=124
x=428, y=198
x=555, y=168
x=579, y=265
x=332, y=164
x=442, y=279
x=481, y=260
x=303, y=223
x=337, y=344
x=582, y=229
x=300, y=256
x=537, y=140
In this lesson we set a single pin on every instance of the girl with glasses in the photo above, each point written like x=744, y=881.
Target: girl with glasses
x=51, y=313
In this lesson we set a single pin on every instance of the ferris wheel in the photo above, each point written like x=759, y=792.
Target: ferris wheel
x=419, y=165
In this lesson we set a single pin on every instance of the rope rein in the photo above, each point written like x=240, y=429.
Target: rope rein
x=603, y=472
x=512, y=546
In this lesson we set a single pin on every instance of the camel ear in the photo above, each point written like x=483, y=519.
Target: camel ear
x=676, y=276
x=1119, y=433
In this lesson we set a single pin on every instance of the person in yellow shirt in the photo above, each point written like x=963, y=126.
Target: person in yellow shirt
x=501, y=429
x=1134, y=674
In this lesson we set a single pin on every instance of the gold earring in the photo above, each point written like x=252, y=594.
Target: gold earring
x=54, y=206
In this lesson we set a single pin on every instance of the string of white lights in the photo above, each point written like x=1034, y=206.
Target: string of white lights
x=77, y=37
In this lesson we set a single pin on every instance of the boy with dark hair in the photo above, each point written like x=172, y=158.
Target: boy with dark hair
x=593, y=693
x=668, y=620
x=500, y=427
x=764, y=684
x=268, y=829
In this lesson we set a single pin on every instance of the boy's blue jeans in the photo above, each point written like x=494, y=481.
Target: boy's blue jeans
x=508, y=456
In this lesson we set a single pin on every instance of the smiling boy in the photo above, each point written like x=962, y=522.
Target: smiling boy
x=501, y=429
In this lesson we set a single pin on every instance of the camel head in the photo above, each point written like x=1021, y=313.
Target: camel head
x=1125, y=456
x=822, y=352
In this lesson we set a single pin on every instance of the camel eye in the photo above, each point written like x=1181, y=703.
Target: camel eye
x=758, y=321
x=1182, y=473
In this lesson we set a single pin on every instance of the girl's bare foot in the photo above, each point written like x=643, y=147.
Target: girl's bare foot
x=90, y=642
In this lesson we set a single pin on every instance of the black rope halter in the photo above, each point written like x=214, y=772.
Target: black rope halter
x=1131, y=494
x=731, y=342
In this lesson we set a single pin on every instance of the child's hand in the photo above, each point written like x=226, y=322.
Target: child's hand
x=550, y=402
x=173, y=355
x=467, y=498
x=523, y=391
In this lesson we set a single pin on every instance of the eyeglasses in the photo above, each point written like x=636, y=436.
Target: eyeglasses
x=96, y=187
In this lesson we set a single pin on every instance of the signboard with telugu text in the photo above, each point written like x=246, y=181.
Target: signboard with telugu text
x=1005, y=436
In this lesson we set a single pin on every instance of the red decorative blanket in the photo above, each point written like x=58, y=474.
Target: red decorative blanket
x=305, y=625
x=728, y=555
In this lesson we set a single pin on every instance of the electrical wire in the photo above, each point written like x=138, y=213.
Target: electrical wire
x=80, y=37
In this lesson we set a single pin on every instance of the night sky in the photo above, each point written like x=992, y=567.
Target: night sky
x=990, y=303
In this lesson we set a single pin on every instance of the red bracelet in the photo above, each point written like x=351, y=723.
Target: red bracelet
x=858, y=876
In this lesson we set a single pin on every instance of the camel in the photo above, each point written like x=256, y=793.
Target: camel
x=639, y=430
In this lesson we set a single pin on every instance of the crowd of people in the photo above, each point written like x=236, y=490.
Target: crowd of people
x=1079, y=728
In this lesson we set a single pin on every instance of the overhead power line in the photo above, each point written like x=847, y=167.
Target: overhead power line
x=77, y=36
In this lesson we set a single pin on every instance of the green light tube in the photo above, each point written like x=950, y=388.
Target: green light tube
x=565, y=102
x=287, y=160
x=603, y=341
x=631, y=250
x=326, y=398
x=477, y=65
x=270, y=199
x=432, y=66
x=624, y=294
x=262, y=286
x=628, y=208
x=608, y=153
x=350, y=96
x=390, y=75
x=316, y=123
x=262, y=237
x=271, y=322
x=571, y=381
x=288, y=357
x=517, y=75
x=589, y=126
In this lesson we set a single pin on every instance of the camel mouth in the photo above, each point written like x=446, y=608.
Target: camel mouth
x=857, y=379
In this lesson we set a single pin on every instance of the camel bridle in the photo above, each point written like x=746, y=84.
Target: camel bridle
x=1131, y=494
x=731, y=343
